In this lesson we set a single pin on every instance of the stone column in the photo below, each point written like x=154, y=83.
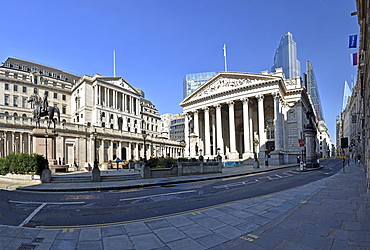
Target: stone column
x=207, y=141
x=96, y=96
x=234, y=155
x=220, y=141
x=261, y=125
x=196, y=122
x=247, y=135
x=29, y=143
x=213, y=117
x=276, y=157
x=277, y=123
x=186, y=135
x=310, y=140
x=101, y=150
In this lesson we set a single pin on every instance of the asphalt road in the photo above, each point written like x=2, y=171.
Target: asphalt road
x=85, y=209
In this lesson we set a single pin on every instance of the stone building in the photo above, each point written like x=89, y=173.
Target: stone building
x=236, y=114
x=106, y=109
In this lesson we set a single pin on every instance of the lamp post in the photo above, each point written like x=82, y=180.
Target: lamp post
x=46, y=149
x=95, y=134
x=218, y=157
x=144, y=134
x=200, y=155
x=256, y=164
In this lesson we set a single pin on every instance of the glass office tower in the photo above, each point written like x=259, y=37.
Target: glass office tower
x=193, y=81
x=313, y=91
x=286, y=57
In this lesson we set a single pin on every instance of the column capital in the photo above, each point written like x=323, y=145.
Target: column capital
x=276, y=94
x=217, y=106
x=206, y=108
x=244, y=99
x=260, y=97
x=230, y=103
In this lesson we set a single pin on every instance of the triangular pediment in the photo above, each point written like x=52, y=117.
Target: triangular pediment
x=120, y=82
x=227, y=82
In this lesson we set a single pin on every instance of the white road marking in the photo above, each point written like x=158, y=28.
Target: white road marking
x=32, y=215
x=49, y=203
x=156, y=195
x=43, y=204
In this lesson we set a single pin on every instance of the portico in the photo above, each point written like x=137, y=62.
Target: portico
x=234, y=114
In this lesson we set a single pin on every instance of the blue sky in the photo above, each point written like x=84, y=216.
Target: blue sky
x=158, y=42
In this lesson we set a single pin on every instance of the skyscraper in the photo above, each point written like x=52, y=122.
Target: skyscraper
x=313, y=91
x=193, y=81
x=346, y=94
x=286, y=57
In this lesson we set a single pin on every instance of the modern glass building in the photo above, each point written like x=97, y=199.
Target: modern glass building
x=286, y=57
x=346, y=94
x=193, y=81
x=313, y=91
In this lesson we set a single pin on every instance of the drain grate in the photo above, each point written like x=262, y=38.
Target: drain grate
x=38, y=240
x=27, y=247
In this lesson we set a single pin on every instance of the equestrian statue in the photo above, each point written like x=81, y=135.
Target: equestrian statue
x=41, y=108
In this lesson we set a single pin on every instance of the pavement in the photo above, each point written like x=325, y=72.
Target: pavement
x=332, y=213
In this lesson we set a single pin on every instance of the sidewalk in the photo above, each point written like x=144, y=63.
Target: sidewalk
x=333, y=213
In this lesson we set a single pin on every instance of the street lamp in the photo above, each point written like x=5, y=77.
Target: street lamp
x=218, y=157
x=200, y=155
x=256, y=164
x=144, y=134
x=95, y=134
x=46, y=149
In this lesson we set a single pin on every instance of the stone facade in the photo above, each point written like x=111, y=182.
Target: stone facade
x=236, y=114
x=106, y=107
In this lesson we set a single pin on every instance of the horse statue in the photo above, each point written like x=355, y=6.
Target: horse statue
x=40, y=111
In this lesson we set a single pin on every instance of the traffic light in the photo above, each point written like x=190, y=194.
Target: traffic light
x=344, y=142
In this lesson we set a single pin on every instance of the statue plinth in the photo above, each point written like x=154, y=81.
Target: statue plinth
x=44, y=142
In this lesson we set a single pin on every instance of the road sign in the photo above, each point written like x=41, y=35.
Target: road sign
x=301, y=142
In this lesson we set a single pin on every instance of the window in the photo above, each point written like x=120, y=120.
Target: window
x=15, y=88
x=64, y=109
x=25, y=68
x=24, y=102
x=35, y=91
x=63, y=86
x=45, y=73
x=6, y=74
x=55, y=95
x=16, y=66
x=54, y=75
x=6, y=100
x=15, y=75
x=55, y=105
x=6, y=86
x=15, y=101
x=24, y=78
x=35, y=80
x=7, y=65
x=24, y=89
x=46, y=93
x=64, y=97
x=54, y=84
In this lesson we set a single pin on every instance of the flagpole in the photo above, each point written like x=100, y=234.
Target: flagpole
x=114, y=63
x=224, y=49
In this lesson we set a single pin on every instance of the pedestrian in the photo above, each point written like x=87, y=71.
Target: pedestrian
x=358, y=160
